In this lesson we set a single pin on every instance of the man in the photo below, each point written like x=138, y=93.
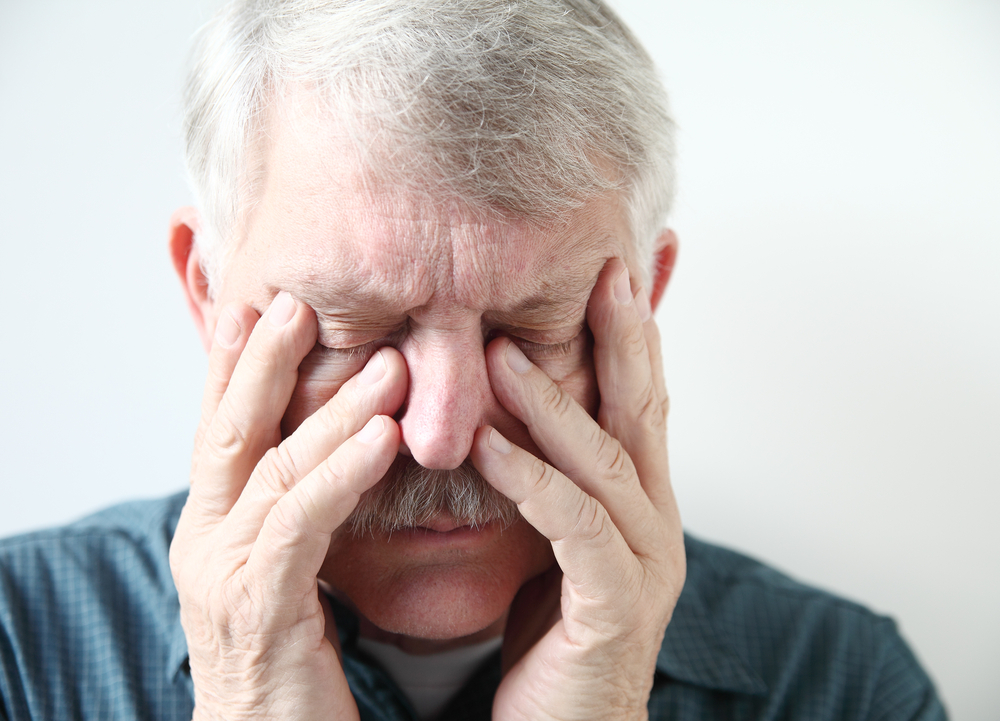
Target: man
x=433, y=435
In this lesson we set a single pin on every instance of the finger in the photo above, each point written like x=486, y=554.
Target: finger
x=247, y=421
x=379, y=389
x=587, y=545
x=655, y=348
x=295, y=536
x=633, y=407
x=656, y=459
x=574, y=443
x=232, y=330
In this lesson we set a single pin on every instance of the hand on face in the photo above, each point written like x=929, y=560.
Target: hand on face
x=583, y=643
x=261, y=512
x=259, y=521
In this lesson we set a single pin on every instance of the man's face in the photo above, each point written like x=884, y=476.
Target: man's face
x=437, y=282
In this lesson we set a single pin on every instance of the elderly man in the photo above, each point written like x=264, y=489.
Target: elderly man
x=431, y=477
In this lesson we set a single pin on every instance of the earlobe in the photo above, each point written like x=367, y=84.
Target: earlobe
x=185, y=223
x=664, y=260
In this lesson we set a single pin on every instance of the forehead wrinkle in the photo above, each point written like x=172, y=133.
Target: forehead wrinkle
x=388, y=256
x=371, y=263
x=552, y=273
x=371, y=296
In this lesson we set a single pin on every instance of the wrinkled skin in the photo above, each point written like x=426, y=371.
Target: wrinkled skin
x=526, y=348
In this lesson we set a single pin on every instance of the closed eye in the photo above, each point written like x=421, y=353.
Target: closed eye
x=533, y=349
x=363, y=351
x=354, y=352
x=549, y=351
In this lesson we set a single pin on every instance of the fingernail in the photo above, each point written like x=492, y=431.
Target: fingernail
x=373, y=371
x=498, y=443
x=623, y=290
x=372, y=430
x=516, y=359
x=227, y=330
x=282, y=309
x=642, y=305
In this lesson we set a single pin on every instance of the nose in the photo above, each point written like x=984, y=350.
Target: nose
x=449, y=397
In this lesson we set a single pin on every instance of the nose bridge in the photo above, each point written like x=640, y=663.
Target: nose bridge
x=449, y=395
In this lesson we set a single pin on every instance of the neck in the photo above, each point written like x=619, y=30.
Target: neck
x=427, y=646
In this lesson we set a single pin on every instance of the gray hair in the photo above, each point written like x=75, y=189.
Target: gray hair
x=527, y=107
x=410, y=496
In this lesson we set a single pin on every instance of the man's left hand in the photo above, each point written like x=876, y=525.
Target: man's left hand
x=605, y=503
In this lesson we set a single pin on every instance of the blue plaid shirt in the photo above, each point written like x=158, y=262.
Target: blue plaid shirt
x=89, y=629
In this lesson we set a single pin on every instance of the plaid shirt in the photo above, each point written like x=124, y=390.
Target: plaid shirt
x=89, y=629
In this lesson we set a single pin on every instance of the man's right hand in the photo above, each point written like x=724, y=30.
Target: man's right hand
x=261, y=512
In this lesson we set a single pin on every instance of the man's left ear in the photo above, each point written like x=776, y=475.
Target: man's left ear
x=185, y=224
x=664, y=259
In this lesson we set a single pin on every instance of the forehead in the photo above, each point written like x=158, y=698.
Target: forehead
x=326, y=231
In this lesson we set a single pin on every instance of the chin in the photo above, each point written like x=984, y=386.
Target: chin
x=439, y=603
x=436, y=586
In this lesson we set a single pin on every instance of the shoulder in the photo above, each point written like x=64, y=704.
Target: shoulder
x=730, y=584
x=121, y=549
x=89, y=611
x=130, y=537
x=770, y=642
x=135, y=519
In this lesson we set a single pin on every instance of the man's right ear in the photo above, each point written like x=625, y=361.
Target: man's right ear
x=185, y=224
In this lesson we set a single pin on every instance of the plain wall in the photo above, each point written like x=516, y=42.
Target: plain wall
x=832, y=333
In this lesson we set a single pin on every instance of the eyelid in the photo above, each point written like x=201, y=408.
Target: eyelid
x=543, y=351
x=354, y=351
x=534, y=348
x=542, y=337
x=368, y=348
x=549, y=348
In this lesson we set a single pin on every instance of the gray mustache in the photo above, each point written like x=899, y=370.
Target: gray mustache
x=410, y=495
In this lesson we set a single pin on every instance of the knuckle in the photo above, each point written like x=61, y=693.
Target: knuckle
x=593, y=524
x=237, y=611
x=554, y=401
x=652, y=411
x=612, y=459
x=665, y=407
x=332, y=472
x=277, y=470
x=541, y=475
x=341, y=480
x=288, y=520
x=225, y=439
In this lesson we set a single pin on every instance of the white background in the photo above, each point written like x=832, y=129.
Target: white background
x=832, y=333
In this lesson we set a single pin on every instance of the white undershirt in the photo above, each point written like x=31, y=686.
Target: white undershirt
x=432, y=680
